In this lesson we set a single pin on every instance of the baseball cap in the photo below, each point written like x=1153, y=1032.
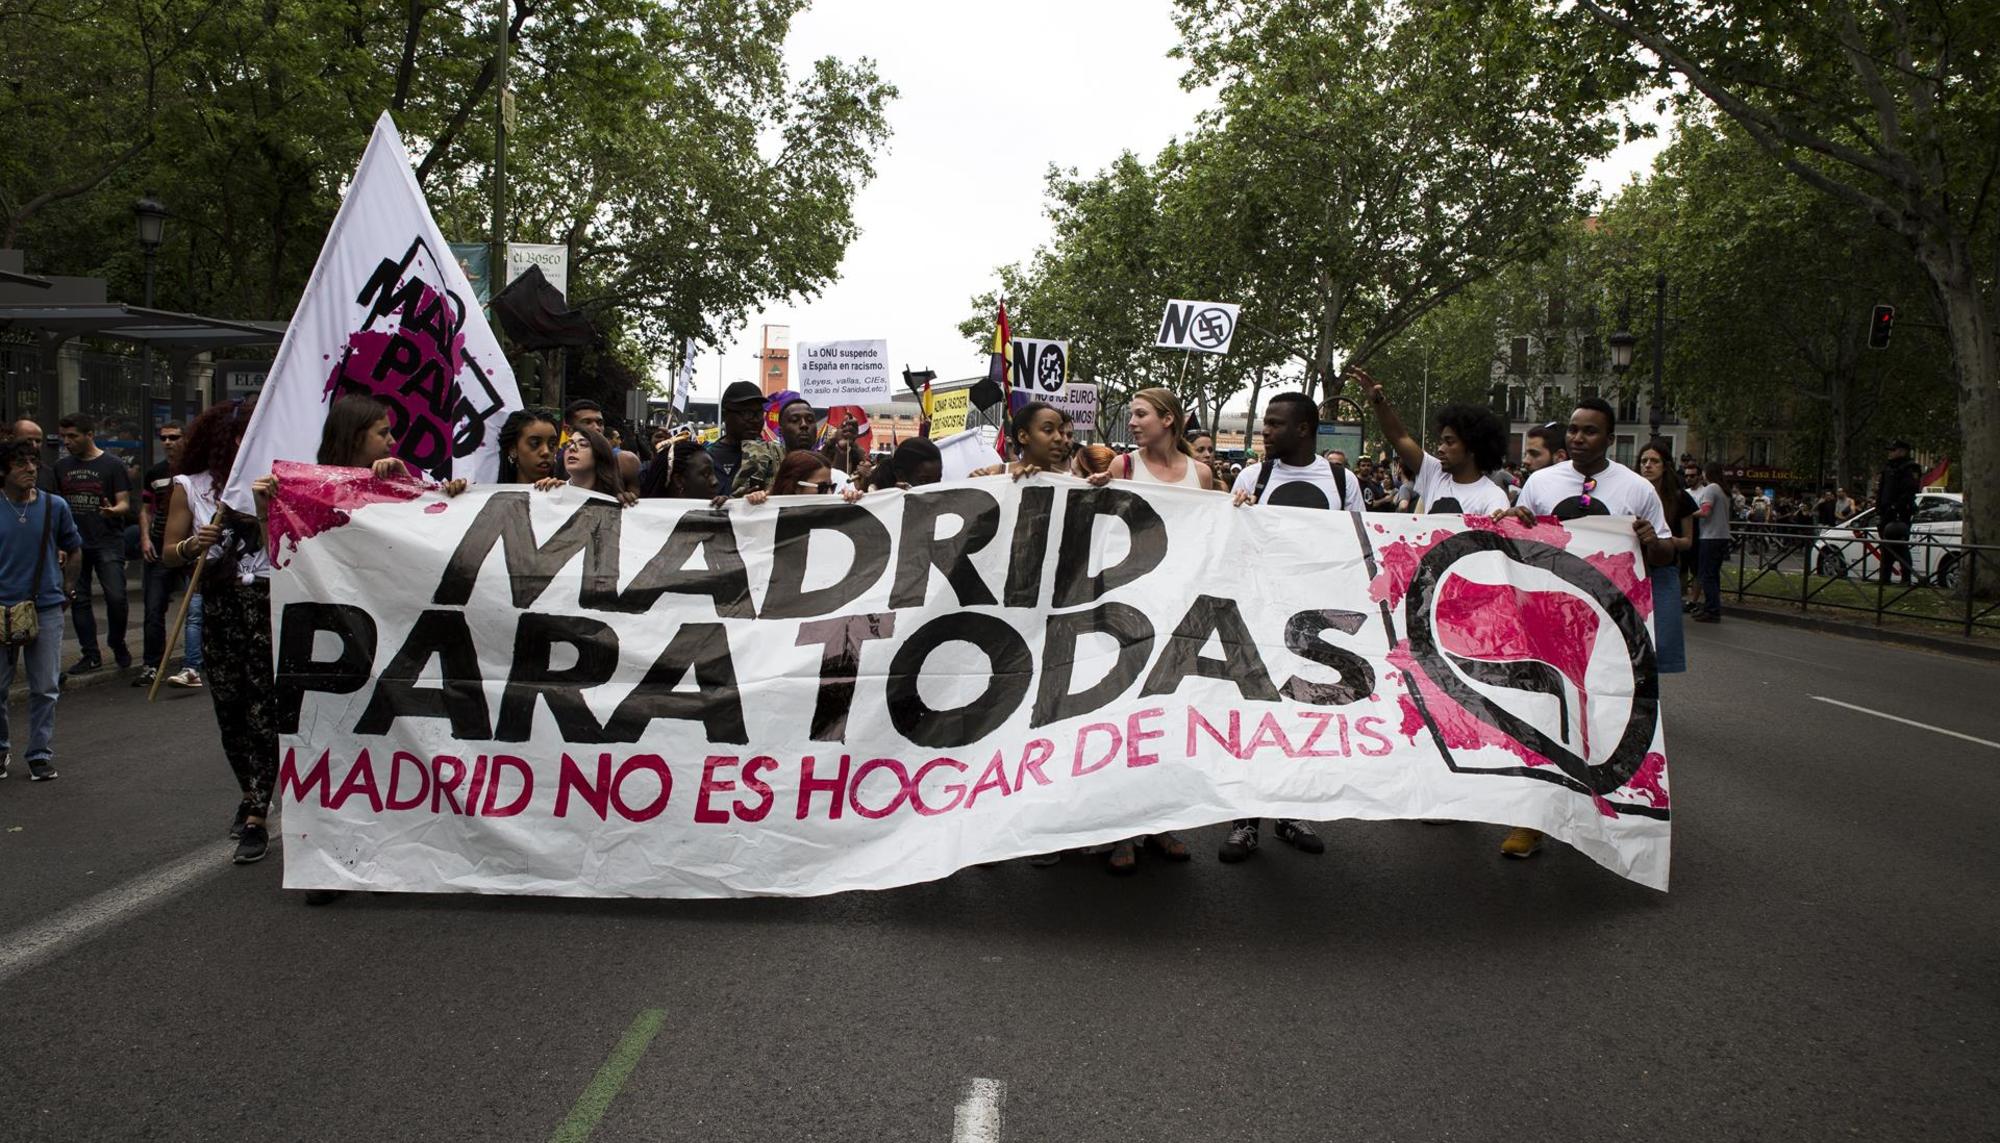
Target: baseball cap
x=742, y=393
x=1899, y=444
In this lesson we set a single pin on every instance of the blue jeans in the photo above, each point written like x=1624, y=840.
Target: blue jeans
x=107, y=567
x=44, y=657
x=161, y=584
x=1711, y=557
x=1669, y=642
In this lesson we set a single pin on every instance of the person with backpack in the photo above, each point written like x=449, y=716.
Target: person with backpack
x=41, y=554
x=1291, y=476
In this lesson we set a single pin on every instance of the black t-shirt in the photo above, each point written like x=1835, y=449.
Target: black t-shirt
x=157, y=493
x=89, y=485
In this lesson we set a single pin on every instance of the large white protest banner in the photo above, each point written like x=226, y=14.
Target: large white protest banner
x=1199, y=327
x=388, y=313
x=843, y=372
x=532, y=692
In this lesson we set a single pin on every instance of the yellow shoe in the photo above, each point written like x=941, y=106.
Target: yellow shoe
x=1522, y=842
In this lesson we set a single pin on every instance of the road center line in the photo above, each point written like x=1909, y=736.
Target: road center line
x=977, y=1119
x=1906, y=721
x=610, y=1079
x=30, y=945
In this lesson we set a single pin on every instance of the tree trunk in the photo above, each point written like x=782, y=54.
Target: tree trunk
x=1976, y=360
x=1840, y=430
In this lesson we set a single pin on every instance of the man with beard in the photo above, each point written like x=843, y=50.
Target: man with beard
x=742, y=422
x=798, y=431
x=1590, y=483
x=1289, y=475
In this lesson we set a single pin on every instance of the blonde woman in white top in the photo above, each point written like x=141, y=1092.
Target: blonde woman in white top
x=1159, y=428
x=1159, y=425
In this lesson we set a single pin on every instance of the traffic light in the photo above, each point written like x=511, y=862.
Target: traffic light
x=1879, y=326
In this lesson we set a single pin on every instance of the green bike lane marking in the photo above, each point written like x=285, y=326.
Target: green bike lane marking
x=610, y=1079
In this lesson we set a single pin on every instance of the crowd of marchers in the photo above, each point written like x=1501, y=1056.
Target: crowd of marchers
x=67, y=528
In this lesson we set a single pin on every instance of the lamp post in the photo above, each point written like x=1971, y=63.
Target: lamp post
x=152, y=220
x=1659, y=348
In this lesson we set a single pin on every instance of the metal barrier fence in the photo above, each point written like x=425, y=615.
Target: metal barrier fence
x=1925, y=577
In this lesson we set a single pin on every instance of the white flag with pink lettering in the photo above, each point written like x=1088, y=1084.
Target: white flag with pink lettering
x=389, y=314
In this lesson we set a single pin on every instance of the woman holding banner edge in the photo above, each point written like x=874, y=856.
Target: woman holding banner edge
x=1159, y=426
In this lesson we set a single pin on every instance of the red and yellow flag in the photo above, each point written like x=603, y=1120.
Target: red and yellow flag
x=999, y=371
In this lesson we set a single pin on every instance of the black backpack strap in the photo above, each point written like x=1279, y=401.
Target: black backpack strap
x=1339, y=484
x=1263, y=480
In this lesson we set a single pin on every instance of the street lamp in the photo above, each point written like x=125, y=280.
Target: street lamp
x=152, y=220
x=1621, y=342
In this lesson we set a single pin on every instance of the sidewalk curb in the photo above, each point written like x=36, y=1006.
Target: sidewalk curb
x=106, y=676
x=1943, y=644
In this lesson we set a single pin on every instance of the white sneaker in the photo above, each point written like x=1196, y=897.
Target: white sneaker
x=186, y=678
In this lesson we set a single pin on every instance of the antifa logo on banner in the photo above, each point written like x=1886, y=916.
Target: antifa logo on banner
x=410, y=354
x=1473, y=642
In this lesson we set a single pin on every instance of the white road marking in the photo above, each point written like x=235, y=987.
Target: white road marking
x=31, y=945
x=1906, y=721
x=978, y=1117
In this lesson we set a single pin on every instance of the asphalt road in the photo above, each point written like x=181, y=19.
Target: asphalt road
x=1825, y=966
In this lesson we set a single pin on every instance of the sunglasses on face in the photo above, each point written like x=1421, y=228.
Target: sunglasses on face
x=170, y=437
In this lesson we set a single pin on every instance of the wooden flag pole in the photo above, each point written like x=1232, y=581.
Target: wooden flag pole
x=180, y=621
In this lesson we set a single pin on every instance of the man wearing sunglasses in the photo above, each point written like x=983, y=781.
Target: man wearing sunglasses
x=1590, y=483
x=162, y=581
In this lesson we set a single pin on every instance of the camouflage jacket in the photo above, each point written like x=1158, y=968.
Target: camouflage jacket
x=759, y=468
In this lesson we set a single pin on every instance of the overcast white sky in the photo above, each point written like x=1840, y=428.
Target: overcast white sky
x=982, y=113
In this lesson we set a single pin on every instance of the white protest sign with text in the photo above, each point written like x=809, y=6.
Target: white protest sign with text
x=1079, y=400
x=1040, y=367
x=515, y=691
x=1199, y=327
x=843, y=372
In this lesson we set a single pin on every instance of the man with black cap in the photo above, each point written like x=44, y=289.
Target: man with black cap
x=1896, y=506
x=742, y=423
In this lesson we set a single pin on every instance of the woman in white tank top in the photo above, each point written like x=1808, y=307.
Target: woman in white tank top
x=1159, y=425
x=1159, y=428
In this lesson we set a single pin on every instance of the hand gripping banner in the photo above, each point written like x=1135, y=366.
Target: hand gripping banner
x=528, y=692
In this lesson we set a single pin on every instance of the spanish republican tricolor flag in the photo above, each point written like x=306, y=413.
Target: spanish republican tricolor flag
x=998, y=372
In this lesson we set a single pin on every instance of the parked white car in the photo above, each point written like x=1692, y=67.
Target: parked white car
x=1854, y=547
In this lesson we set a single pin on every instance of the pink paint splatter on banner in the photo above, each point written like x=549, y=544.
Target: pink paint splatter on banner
x=1456, y=726
x=1621, y=569
x=1648, y=781
x=1399, y=566
x=1545, y=529
x=434, y=509
x=1604, y=805
x=1501, y=623
x=312, y=499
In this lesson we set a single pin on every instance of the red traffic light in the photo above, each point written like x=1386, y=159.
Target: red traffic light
x=1879, y=326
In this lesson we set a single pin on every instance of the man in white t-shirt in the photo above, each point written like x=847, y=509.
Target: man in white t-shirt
x=1289, y=475
x=1471, y=442
x=1590, y=483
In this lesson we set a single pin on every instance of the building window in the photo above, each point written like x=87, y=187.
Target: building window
x=1624, y=451
x=1586, y=392
x=1760, y=452
x=1517, y=355
x=1549, y=401
x=1517, y=404
x=1628, y=405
